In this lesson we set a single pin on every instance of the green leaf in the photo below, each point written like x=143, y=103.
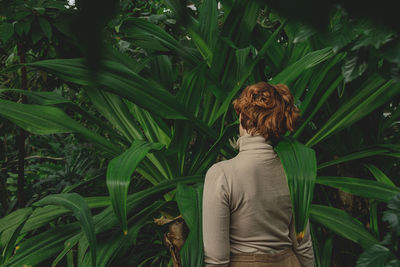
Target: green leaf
x=300, y=167
x=40, y=10
x=310, y=60
x=97, y=202
x=343, y=35
x=68, y=245
x=375, y=256
x=40, y=247
x=114, y=110
x=392, y=215
x=374, y=92
x=48, y=120
x=18, y=15
x=150, y=36
x=316, y=84
x=353, y=68
x=6, y=31
x=81, y=211
x=303, y=33
x=201, y=45
x=189, y=200
x=22, y=27
x=135, y=202
x=375, y=35
x=326, y=258
x=9, y=237
x=227, y=101
x=353, y=156
x=52, y=98
x=342, y=224
x=42, y=98
x=36, y=33
x=242, y=60
x=361, y=187
x=153, y=127
x=163, y=71
x=118, y=244
x=119, y=172
x=237, y=30
x=8, y=222
x=379, y=175
x=40, y=217
x=46, y=27
x=208, y=22
x=118, y=79
x=35, y=119
x=316, y=108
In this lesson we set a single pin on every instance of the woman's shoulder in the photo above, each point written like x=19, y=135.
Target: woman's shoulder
x=222, y=168
x=224, y=164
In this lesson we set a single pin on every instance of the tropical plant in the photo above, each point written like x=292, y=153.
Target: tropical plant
x=170, y=118
x=386, y=253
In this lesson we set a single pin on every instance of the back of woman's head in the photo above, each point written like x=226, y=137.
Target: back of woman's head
x=267, y=109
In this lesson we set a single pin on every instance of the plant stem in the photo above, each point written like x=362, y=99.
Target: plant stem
x=23, y=134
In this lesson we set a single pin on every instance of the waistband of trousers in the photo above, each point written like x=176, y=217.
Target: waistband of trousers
x=270, y=257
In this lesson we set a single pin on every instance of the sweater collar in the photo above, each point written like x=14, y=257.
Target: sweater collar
x=253, y=142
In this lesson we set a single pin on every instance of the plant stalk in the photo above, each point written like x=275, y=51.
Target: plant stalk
x=20, y=142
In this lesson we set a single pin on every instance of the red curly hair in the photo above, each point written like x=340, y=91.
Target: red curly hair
x=267, y=109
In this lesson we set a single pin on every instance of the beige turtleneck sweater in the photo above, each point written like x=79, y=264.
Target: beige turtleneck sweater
x=247, y=207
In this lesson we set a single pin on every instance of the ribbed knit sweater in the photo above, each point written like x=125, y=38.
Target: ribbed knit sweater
x=247, y=207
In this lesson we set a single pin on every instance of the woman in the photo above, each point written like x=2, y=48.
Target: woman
x=247, y=213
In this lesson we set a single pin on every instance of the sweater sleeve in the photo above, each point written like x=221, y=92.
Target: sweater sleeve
x=303, y=250
x=216, y=218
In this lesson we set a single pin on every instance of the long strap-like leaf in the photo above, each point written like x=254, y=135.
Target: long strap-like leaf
x=189, y=200
x=361, y=187
x=342, y=224
x=300, y=166
x=80, y=209
x=9, y=238
x=38, y=248
x=119, y=173
x=48, y=120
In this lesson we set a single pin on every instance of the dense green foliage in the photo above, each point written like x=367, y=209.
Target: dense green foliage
x=145, y=90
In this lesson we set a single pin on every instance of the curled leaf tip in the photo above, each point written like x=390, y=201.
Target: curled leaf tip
x=125, y=232
x=17, y=247
x=300, y=236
